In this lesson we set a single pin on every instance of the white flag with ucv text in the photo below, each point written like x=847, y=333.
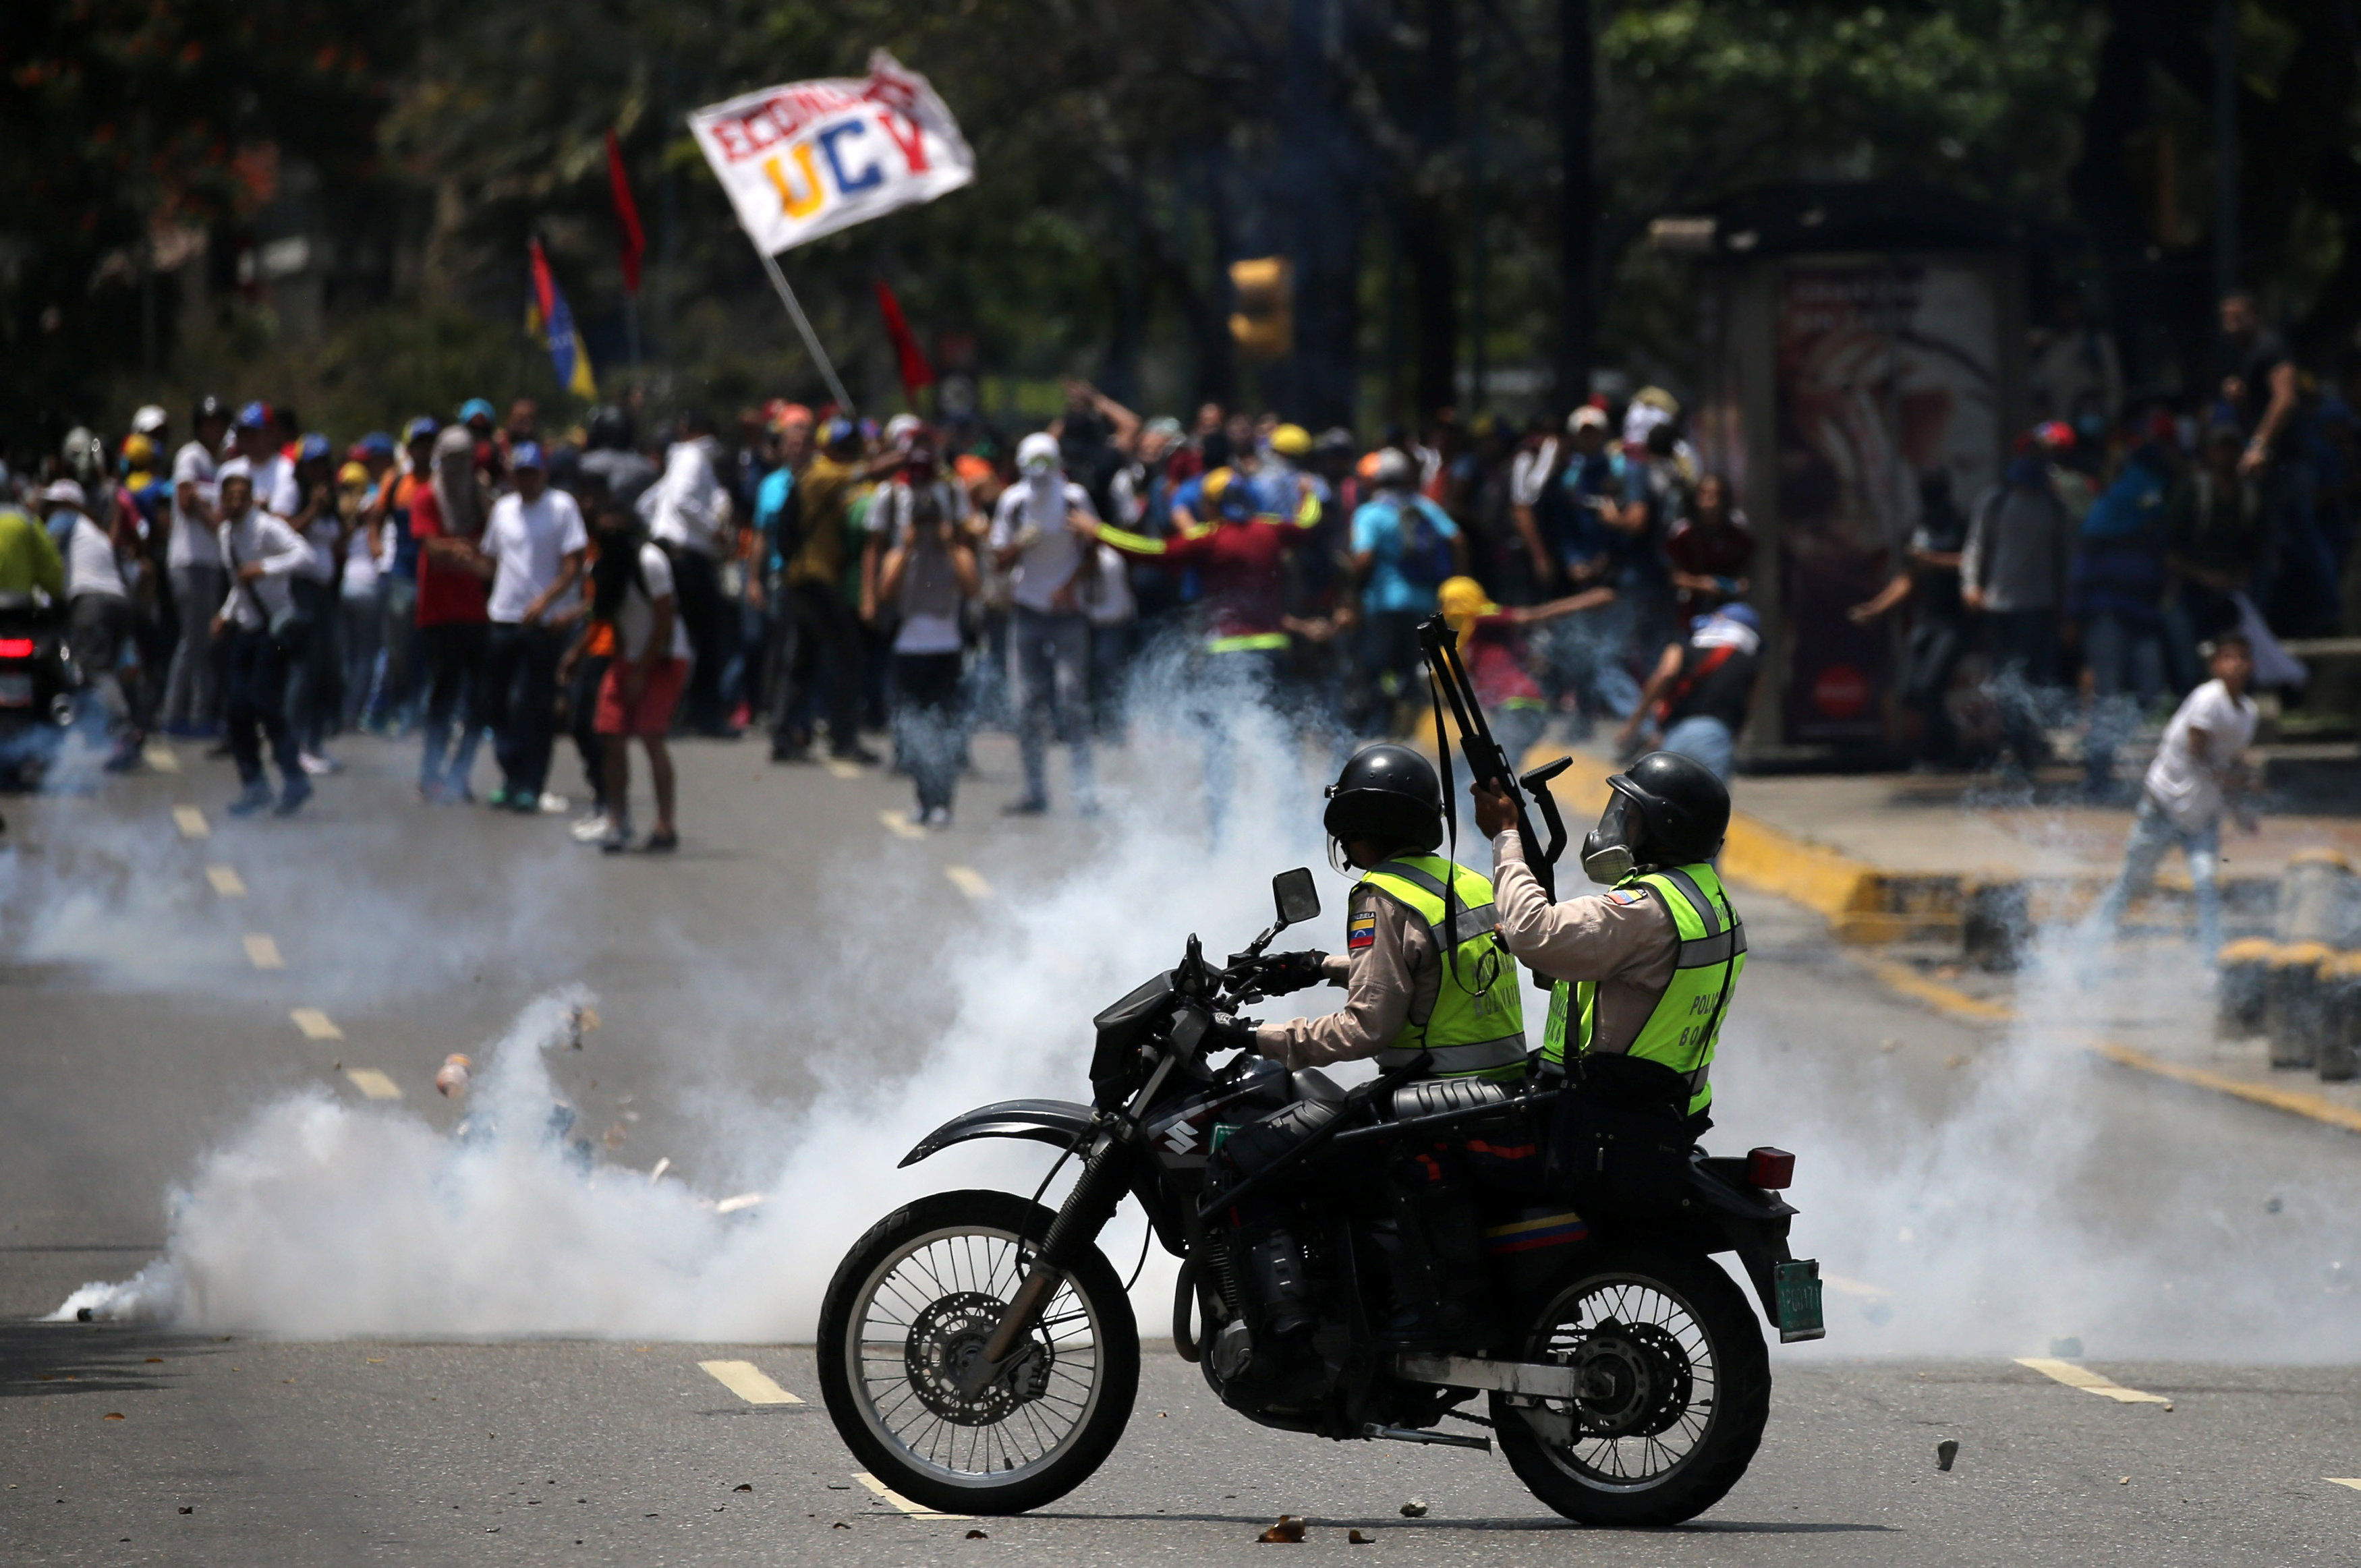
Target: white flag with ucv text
x=811, y=158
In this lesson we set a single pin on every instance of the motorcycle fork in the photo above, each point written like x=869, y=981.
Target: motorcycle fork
x=1105, y=1178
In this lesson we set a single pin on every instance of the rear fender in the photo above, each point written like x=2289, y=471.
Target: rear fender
x=1062, y=1124
x=1752, y=1223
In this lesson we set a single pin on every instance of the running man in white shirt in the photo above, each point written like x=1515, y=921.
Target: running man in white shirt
x=2196, y=779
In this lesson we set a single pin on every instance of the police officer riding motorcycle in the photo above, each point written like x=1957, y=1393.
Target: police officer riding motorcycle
x=1360, y=1264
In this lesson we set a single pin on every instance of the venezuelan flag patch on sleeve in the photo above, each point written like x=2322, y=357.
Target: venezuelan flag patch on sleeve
x=1362, y=932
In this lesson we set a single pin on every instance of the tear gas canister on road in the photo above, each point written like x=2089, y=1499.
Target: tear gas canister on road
x=2245, y=966
x=2294, y=1015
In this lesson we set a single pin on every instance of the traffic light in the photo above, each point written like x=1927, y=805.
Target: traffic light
x=1263, y=326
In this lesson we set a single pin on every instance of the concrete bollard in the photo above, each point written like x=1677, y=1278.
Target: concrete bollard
x=2318, y=900
x=1997, y=931
x=2238, y=997
x=2292, y=1010
x=2340, y=1035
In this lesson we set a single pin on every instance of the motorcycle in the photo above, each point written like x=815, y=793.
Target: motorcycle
x=38, y=683
x=979, y=1354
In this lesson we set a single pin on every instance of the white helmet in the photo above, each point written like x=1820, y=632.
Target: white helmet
x=66, y=492
x=1037, y=452
x=1394, y=469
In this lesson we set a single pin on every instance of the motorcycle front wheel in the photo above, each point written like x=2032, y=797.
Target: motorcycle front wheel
x=911, y=1307
x=1676, y=1387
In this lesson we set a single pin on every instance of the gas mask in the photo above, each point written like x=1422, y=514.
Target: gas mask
x=1608, y=853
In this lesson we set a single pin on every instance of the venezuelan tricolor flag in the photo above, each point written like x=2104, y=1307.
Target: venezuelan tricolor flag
x=547, y=317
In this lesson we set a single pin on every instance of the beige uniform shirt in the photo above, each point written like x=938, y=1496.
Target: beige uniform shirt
x=1392, y=982
x=1623, y=940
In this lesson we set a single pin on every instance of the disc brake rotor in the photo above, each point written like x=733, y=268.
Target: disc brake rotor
x=947, y=1338
x=1634, y=1378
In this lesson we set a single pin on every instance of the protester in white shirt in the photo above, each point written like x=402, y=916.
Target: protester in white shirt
x=2196, y=778
x=360, y=613
x=261, y=552
x=192, y=560
x=1029, y=539
x=98, y=614
x=927, y=573
x=689, y=513
x=535, y=542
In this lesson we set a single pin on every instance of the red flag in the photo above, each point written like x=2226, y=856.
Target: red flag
x=627, y=215
x=916, y=371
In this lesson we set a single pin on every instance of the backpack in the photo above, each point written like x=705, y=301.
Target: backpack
x=1425, y=559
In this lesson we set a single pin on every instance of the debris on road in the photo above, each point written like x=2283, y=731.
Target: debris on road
x=1289, y=1530
x=742, y=1200
x=112, y=1416
x=1356, y=1539
x=1414, y=1510
x=189, y=1509
x=1945, y=1452
x=450, y=1078
x=580, y=1020
x=977, y=1535
x=744, y=1486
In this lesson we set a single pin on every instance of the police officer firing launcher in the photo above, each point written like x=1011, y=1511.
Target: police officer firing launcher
x=1644, y=971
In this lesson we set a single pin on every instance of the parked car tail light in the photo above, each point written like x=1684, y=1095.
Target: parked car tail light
x=16, y=647
x=1770, y=1168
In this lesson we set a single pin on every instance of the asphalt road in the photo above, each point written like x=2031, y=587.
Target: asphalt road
x=800, y=963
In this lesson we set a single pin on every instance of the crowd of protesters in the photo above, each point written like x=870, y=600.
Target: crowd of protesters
x=825, y=580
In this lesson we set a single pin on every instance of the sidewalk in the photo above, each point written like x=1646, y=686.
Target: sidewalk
x=1895, y=857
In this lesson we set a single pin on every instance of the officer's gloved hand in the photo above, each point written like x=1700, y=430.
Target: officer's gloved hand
x=1278, y=974
x=1230, y=1033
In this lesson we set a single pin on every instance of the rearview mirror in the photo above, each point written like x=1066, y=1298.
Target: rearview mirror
x=1297, y=895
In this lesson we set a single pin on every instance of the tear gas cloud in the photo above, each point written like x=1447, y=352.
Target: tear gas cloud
x=324, y=1218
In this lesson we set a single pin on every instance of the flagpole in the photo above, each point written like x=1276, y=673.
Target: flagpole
x=631, y=327
x=811, y=339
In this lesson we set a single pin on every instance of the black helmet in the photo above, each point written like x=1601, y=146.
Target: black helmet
x=609, y=429
x=1388, y=794
x=1682, y=811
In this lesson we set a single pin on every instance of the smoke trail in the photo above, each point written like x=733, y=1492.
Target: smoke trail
x=323, y=1219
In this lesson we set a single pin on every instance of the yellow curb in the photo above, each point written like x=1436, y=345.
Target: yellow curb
x=2295, y=1102
x=1935, y=993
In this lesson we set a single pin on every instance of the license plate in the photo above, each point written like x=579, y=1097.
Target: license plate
x=16, y=691
x=1796, y=1288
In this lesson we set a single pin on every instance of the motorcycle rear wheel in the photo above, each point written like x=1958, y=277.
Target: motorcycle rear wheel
x=1681, y=1390
x=921, y=1290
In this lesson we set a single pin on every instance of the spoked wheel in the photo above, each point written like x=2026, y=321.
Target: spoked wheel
x=908, y=1312
x=1674, y=1389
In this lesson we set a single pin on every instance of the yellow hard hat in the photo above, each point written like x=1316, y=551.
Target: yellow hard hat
x=353, y=474
x=1291, y=441
x=1462, y=600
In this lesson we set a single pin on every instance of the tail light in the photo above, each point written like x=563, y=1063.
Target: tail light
x=16, y=647
x=1771, y=1168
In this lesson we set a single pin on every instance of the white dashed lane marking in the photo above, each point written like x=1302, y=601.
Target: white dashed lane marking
x=191, y=822
x=2352, y=1481
x=373, y=1083
x=844, y=768
x=262, y=952
x=225, y=881
x=899, y=822
x=2090, y=1382
x=968, y=881
x=915, y=1510
x=315, y=1025
x=749, y=1382
x=161, y=758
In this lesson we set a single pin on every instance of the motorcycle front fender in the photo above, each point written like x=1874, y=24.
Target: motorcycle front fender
x=1059, y=1121
x=1061, y=1124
